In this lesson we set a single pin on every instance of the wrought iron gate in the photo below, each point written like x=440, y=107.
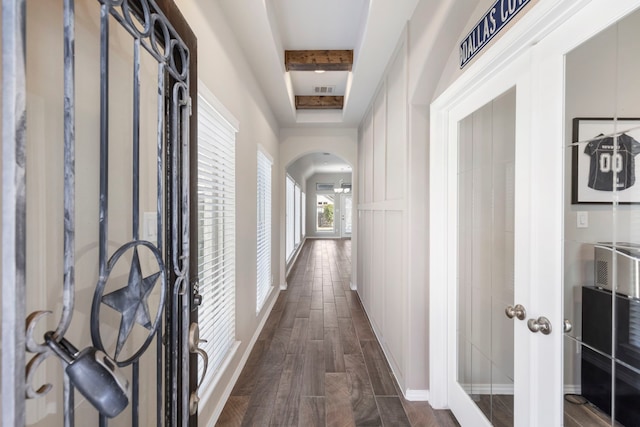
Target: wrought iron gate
x=143, y=301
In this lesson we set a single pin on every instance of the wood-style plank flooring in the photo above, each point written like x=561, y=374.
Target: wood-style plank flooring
x=585, y=415
x=499, y=409
x=317, y=361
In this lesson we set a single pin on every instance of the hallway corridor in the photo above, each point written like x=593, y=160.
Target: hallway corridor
x=317, y=361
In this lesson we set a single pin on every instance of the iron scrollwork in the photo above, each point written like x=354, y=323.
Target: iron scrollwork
x=151, y=30
x=68, y=300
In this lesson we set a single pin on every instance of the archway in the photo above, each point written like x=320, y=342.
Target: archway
x=316, y=165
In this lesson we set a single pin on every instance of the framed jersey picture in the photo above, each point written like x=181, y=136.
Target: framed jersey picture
x=604, y=167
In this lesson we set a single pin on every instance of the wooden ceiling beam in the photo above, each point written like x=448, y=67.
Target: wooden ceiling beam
x=319, y=102
x=311, y=60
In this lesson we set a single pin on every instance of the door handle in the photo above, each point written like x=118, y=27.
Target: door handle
x=541, y=324
x=518, y=311
x=568, y=326
x=194, y=341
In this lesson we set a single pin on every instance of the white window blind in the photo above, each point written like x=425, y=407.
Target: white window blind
x=264, y=230
x=298, y=214
x=216, y=236
x=304, y=215
x=289, y=241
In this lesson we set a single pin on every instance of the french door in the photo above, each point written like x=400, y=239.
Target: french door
x=503, y=243
x=98, y=121
x=492, y=371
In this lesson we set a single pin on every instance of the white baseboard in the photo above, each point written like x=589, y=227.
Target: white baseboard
x=508, y=389
x=416, y=395
x=572, y=389
x=488, y=388
x=409, y=394
x=243, y=361
x=353, y=286
x=284, y=286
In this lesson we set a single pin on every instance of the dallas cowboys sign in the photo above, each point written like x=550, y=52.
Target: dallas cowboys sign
x=491, y=23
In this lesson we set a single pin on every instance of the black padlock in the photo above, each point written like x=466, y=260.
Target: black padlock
x=94, y=374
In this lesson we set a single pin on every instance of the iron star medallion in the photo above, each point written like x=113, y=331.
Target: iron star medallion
x=132, y=301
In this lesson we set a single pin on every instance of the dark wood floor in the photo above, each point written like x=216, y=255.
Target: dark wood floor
x=499, y=409
x=585, y=415
x=317, y=361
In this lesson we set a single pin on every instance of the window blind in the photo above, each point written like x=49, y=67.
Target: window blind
x=264, y=230
x=289, y=243
x=304, y=215
x=298, y=214
x=216, y=236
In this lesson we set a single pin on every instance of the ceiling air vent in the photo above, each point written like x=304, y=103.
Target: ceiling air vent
x=324, y=90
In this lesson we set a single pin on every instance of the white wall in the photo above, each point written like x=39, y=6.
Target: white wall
x=296, y=171
x=382, y=228
x=393, y=154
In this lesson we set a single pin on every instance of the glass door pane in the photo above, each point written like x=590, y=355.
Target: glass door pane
x=602, y=229
x=324, y=212
x=486, y=173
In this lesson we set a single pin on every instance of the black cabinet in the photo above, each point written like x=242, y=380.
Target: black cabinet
x=597, y=366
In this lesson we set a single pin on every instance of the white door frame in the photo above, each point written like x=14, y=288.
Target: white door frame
x=540, y=119
x=517, y=75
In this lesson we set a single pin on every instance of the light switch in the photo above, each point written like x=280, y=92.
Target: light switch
x=150, y=227
x=583, y=219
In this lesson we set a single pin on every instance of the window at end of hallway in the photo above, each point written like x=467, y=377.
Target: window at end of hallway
x=324, y=212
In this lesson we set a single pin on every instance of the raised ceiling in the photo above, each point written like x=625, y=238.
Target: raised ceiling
x=266, y=28
x=314, y=163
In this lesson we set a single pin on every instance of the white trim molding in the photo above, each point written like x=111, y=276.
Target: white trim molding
x=482, y=389
x=573, y=389
x=416, y=395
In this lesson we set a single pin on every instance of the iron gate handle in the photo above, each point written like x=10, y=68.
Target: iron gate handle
x=194, y=340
